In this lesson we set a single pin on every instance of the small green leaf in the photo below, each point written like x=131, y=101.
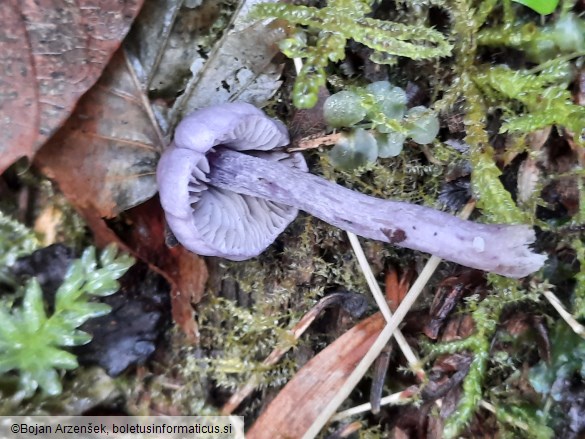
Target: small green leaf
x=390, y=100
x=78, y=313
x=343, y=109
x=88, y=261
x=422, y=125
x=7, y=326
x=59, y=358
x=358, y=148
x=108, y=255
x=8, y=363
x=543, y=7
x=70, y=290
x=390, y=145
x=33, y=307
x=47, y=379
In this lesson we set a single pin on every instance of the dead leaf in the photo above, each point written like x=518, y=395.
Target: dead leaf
x=239, y=68
x=168, y=36
x=51, y=53
x=185, y=271
x=447, y=297
x=299, y=403
x=47, y=223
x=105, y=156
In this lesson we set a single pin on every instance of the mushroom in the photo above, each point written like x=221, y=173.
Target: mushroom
x=222, y=201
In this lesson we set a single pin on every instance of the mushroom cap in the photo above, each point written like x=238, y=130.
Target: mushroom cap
x=212, y=221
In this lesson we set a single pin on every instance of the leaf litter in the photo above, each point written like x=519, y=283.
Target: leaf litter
x=51, y=53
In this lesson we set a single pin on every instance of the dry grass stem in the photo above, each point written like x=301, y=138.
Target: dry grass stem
x=380, y=299
x=398, y=398
x=565, y=315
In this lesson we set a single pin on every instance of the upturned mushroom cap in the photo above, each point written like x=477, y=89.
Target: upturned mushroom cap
x=216, y=222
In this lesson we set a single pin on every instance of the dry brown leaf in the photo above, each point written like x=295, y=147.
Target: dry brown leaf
x=185, y=271
x=297, y=405
x=105, y=156
x=447, y=296
x=51, y=53
x=395, y=287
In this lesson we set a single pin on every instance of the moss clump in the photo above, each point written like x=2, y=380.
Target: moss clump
x=32, y=340
x=335, y=24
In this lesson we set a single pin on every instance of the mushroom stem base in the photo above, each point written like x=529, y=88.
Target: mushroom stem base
x=501, y=249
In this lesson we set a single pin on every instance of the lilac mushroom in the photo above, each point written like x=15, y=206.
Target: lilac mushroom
x=221, y=201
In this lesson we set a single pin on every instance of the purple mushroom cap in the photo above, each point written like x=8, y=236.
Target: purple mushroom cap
x=212, y=221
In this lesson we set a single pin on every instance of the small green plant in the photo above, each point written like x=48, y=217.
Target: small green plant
x=382, y=107
x=246, y=340
x=485, y=314
x=565, y=36
x=579, y=294
x=542, y=95
x=32, y=340
x=522, y=421
x=335, y=24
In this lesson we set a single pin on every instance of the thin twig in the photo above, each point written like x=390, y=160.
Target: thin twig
x=565, y=315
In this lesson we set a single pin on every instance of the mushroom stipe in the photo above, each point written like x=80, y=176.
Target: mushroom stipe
x=222, y=201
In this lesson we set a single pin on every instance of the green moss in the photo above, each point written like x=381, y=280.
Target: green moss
x=486, y=314
x=579, y=293
x=523, y=421
x=15, y=241
x=32, y=341
x=335, y=24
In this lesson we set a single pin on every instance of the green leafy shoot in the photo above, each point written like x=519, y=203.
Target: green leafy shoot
x=563, y=36
x=32, y=341
x=495, y=201
x=335, y=24
x=543, y=7
x=486, y=315
x=544, y=98
x=15, y=241
x=524, y=419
